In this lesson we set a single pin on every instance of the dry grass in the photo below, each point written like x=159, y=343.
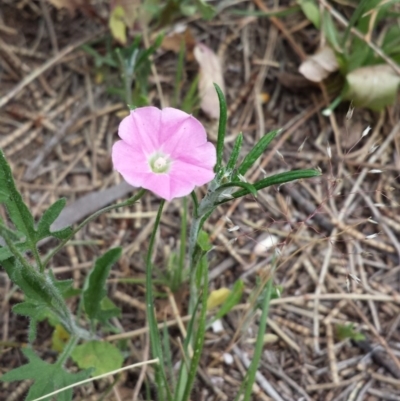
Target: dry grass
x=57, y=127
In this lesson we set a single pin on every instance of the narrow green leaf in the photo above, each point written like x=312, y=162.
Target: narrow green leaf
x=330, y=31
x=5, y=253
x=34, y=285
x=30, y=309
x=17, y=210
x=235, y=153
x=310, y=9
x=108, y=310
x=100, y=355
x=256, y=152
x=62, y=234
x=245, y=185
x=223, y=116
x=155, y=341
x=48, y=218
x=205, y=9
x=199, y=334
x=94, y=290
x=283, y=12
x=262, y=327
x=277, y=179
x=168, y=356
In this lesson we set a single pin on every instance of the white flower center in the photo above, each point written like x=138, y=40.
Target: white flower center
x=159, y=163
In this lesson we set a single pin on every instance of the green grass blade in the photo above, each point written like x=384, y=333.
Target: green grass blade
x=256, y=152
x=223, y=116
x=155, y=341
x=248, y=381
x=235, y=153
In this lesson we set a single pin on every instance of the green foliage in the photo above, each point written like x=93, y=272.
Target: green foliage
x=102, y=356
x=203, y=241
x=235, y=154
x=374, y=19
x=166, y=12
x=277, y=179
x=132, y=63
x=223, y=115
x=364, y=90
x=48, y=218
x=231, y=301
x=47, y=377
x=94, y=289
x=311, y=11
x=247, y=384
x=347, y=331
x=256, y=152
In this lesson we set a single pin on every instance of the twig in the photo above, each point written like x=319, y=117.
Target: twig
x=39, y=71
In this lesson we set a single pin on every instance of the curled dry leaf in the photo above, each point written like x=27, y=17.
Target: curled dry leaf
x=210, y=72
x=374, y=86
x=317, y=67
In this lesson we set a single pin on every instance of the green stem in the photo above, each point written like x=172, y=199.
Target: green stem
x=15, y=251
x=248, y=381
x=128, y=202
x=69, y=347
x=53, y=297
x=182, y=250
x=37, y=258
x=155, y=341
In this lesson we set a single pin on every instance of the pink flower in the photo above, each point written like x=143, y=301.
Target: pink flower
x=165, y=151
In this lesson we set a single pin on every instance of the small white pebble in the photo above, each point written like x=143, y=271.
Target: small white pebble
x=265, y=244
x=228, y=358
x=217, y=326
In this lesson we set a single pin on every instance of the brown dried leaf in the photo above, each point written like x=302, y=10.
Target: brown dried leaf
x=70, y=5
x=173, y=42
x=210, y=72
x=317, y=67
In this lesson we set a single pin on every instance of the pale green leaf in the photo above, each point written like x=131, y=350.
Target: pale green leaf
x=102, y=356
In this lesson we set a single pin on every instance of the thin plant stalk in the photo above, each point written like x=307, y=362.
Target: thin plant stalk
x=155, y=340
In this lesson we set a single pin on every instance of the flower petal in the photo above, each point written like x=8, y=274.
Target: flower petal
x=160, y=185
x=180, y=130
x=181, y=171
x=148, y=131
x=141, y=128
x=130, y=163
x=204, y=156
